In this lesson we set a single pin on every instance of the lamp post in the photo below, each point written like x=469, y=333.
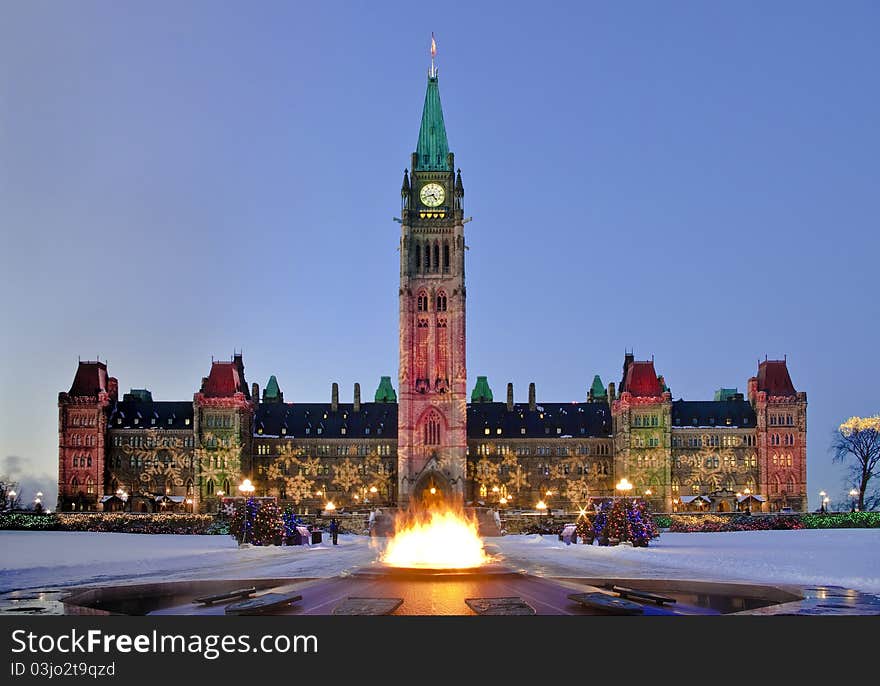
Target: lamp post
x=247, y=488
x=11, y=495
x=854, y=494
x=624, y=486
x=822, y=499
x=541, y=507
x=220, y=495
x=825, y=502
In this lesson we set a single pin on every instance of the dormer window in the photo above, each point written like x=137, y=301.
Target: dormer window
x=342, y=431
x=186, y=421
x=320, y=430
x=487, y=431
x=523, y=431
x=153, y=421
x=498, y=431
x=118, y=421
x=308, y=430
x=283, y=430
x=136, y=421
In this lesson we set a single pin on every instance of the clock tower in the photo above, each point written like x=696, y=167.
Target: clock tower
x=432, y=412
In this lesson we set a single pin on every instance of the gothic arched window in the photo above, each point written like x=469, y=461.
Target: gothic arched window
x=417, y=251
x=436, y=257
x=427, y=265
x=441, y=302
x=432, y=429
x=209, y=487
x=446, y=256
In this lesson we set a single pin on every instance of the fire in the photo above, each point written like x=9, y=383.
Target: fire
x=436, y=539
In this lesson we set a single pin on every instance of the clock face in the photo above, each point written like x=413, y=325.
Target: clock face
x=432, y=194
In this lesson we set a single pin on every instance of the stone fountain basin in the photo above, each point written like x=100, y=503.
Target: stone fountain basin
x=432, y=592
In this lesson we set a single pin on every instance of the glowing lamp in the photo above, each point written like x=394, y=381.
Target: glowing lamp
x=541, y=505
x=329, y=507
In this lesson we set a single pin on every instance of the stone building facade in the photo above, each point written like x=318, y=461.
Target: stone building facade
x=735, y=451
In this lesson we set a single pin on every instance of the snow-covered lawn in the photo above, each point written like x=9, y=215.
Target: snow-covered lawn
x=839, y=557
x=843, y=557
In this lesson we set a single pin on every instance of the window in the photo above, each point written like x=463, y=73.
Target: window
x=432, y=429
x=423, y=302
x=441, y=302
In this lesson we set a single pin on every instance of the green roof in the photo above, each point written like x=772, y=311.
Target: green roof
x=385, y=393
x=481, y=393
x=433, y=147
x=725, y=393
x=272, y=389
x=597, y=390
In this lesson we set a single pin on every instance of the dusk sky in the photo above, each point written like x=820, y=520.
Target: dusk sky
x=697, y=181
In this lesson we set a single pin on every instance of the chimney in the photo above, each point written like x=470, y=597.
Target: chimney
x=334, y=397
x=532, y=403
x=611, y=392
x=255, y=392
x=510, y=397
x=357, y=397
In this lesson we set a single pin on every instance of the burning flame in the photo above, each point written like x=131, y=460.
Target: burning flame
x=436, y=539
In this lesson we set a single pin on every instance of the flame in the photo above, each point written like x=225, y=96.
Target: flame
x=436, y=539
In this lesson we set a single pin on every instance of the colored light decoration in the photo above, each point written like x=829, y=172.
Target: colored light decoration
x=503, y=501
x=329, y=507
x=541, y=506
x=624, y=486
x=649, y=492
x=374, y=490
x=495, y=489
x=433, y=491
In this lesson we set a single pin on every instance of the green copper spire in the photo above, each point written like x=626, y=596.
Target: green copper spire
x=272, y=387
x=433, y=148
x=481, y=393
x=597, y=390
x=272, y=393
x=385, y=393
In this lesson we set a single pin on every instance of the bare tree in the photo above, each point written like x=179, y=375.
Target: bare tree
x=857, y=445
x=7, y=500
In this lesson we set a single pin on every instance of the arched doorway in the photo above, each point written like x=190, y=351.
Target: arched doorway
x=431, y=490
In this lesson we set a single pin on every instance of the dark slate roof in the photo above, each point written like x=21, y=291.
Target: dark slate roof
x=713, y=413
x=641, y=380
x=224, y=381
x=91, y=379
x=128, y=410
x=548, y=420
x=773, y=378
x=379, y=418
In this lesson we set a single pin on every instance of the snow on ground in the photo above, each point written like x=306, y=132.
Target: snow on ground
x=839, y=557
x=842, y=557
x=38, y=559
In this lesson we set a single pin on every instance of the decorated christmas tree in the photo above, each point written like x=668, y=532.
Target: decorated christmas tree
x=258, y=523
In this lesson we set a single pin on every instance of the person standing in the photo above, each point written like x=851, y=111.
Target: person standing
x=334, y=530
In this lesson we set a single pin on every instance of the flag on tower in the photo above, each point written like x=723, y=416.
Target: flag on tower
x=433, y=45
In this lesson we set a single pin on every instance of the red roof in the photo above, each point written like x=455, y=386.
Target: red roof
x=773, y=378
x=223, y=381
x=90, y=379
x=641, y=379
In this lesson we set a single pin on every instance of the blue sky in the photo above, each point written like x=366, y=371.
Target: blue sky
x=697, y=181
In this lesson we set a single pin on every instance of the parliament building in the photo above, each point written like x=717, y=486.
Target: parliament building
x=427, y=439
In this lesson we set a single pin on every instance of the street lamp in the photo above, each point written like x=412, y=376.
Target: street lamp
x=11, y=495
x=854, y=494
x=189, y=501
x=329, y=507
x=823, y=499
x=247, y=488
